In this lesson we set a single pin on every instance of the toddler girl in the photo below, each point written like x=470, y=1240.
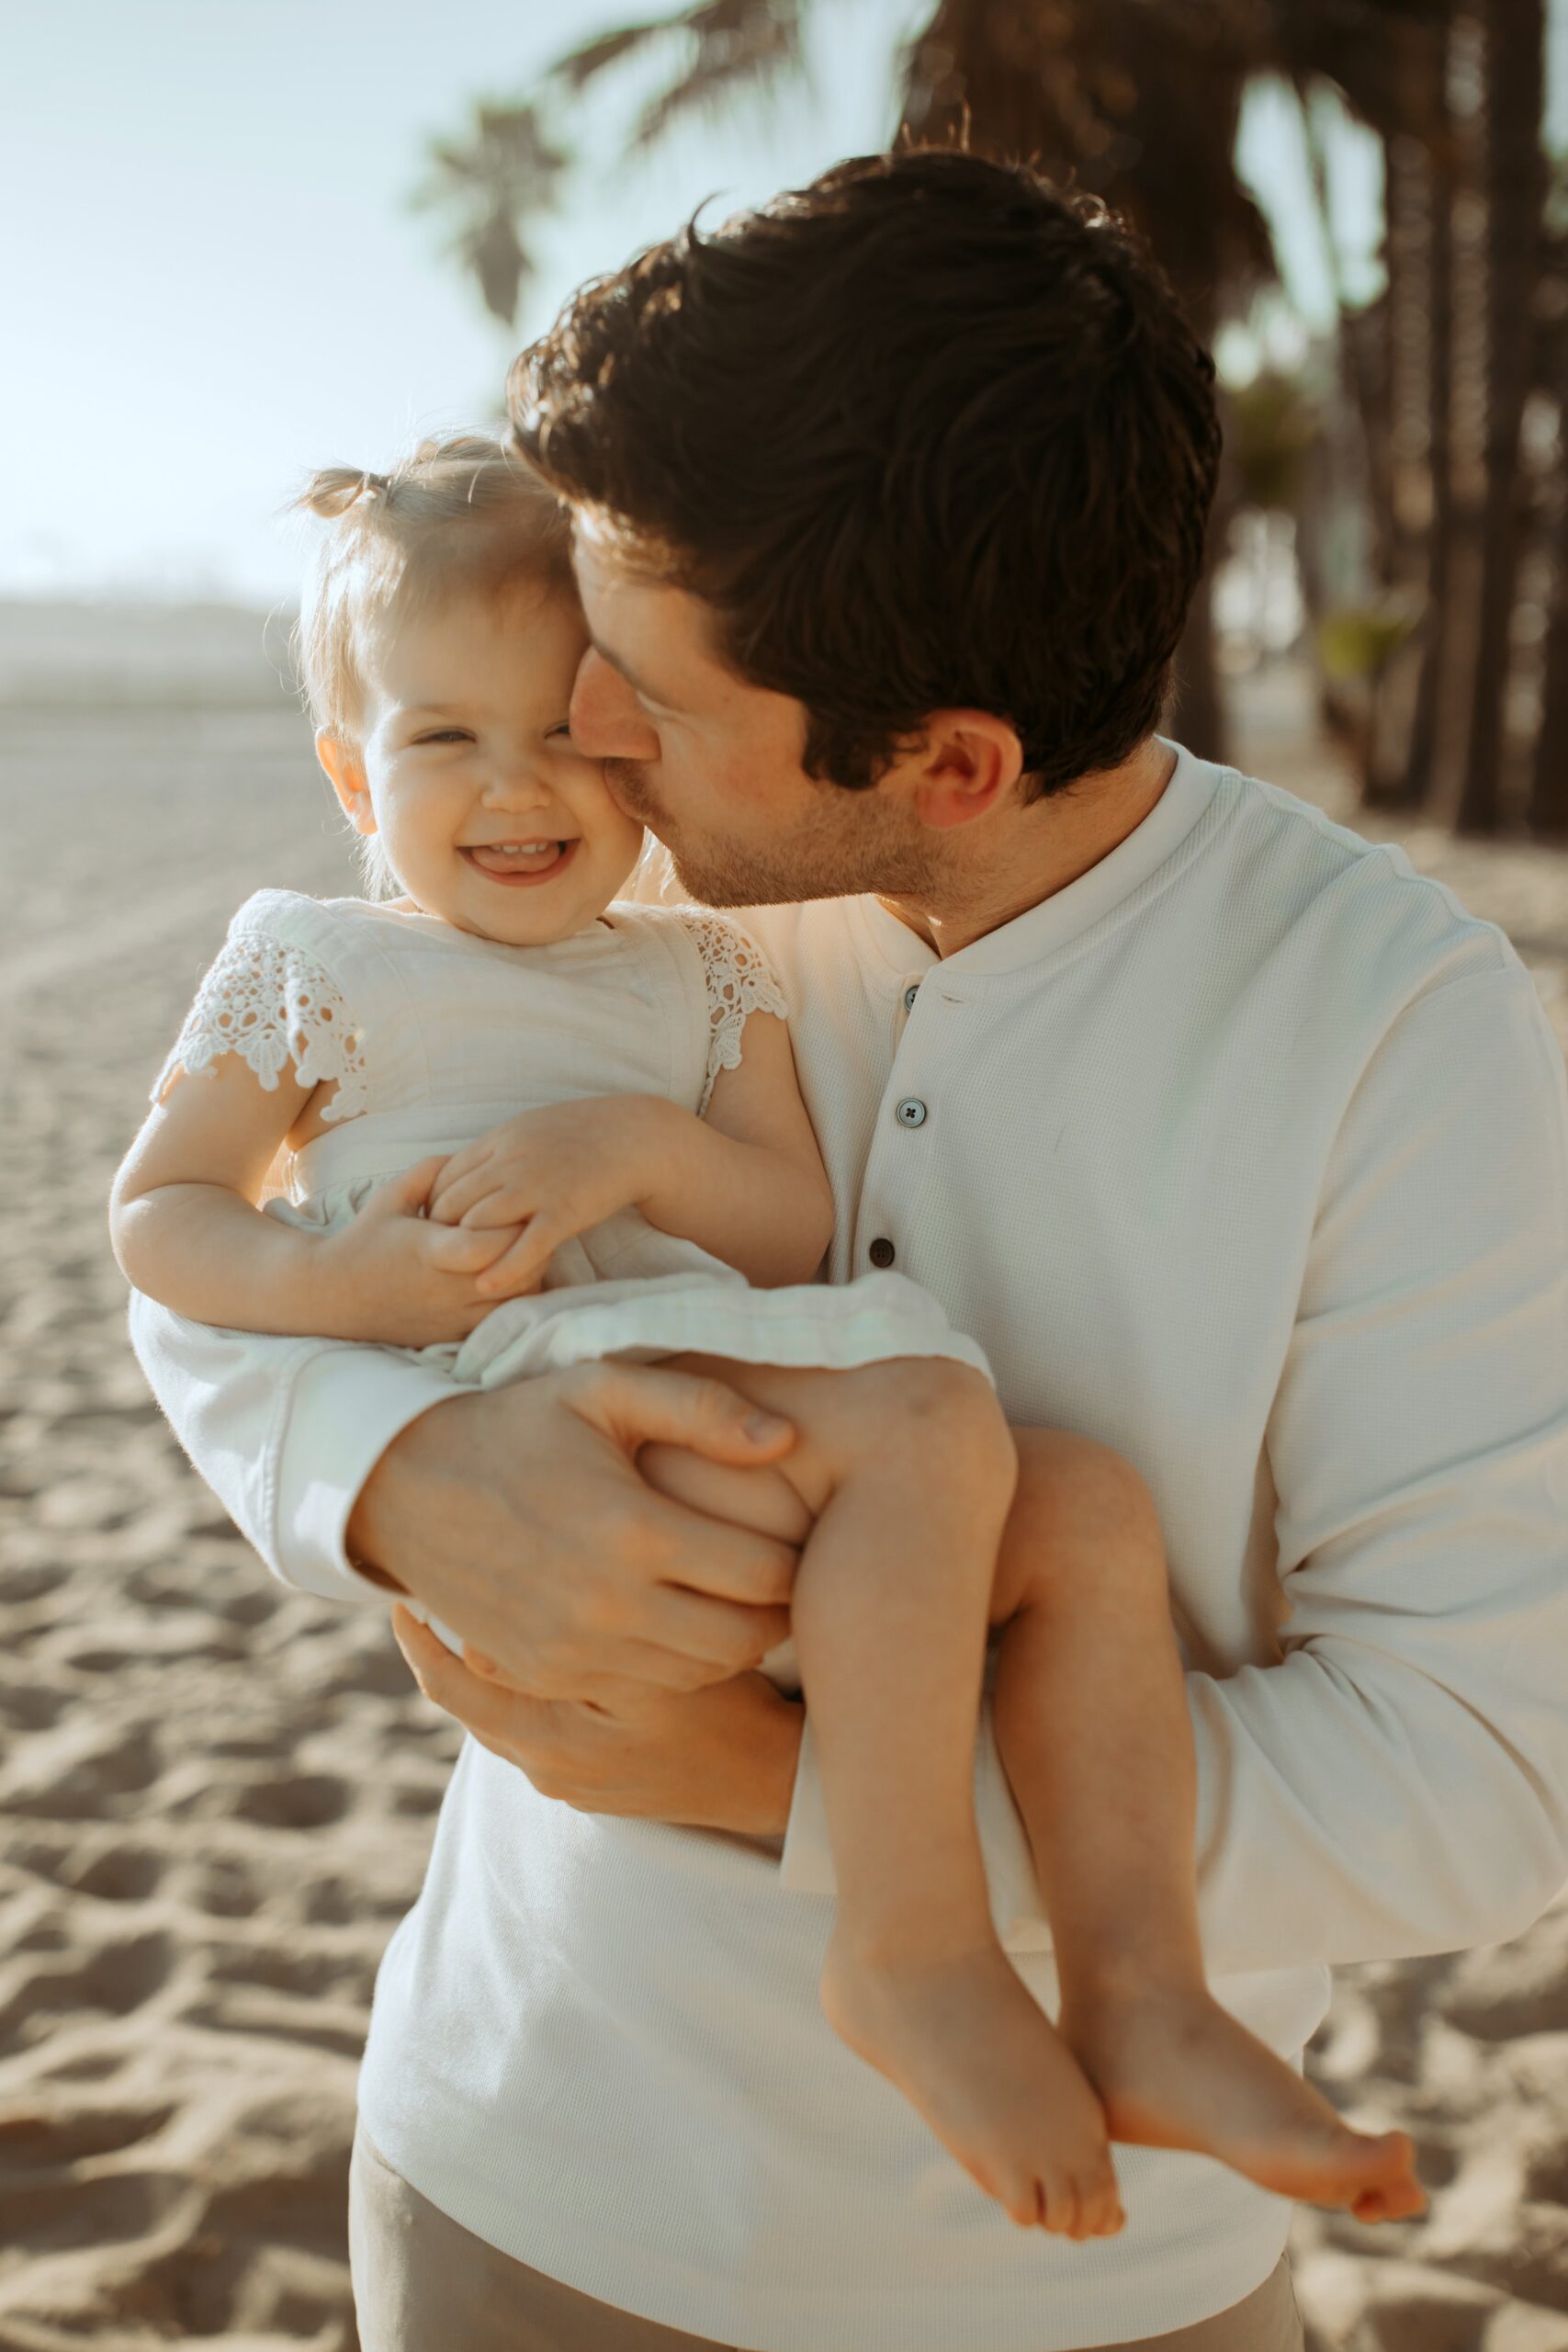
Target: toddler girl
x=528, y=1124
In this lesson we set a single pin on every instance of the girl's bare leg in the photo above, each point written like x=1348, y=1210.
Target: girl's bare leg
x=907, y=1471
x=1092, y=1726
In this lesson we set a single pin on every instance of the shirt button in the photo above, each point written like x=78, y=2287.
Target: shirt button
x=882, y=1253
x=911, y=1112
x=910, y=993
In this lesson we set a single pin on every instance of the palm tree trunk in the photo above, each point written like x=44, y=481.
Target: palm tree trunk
x=1437, y=629
x=1198, y=714
x=1405, y=375
x=1546, y=812
x=1515, y=173
x=1016, y=79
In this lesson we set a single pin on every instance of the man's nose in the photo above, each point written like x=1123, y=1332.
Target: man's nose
x=607, y=722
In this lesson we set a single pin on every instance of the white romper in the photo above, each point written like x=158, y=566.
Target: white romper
x=433, y=1035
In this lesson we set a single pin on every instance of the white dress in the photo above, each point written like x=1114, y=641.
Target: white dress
x=433, y=1035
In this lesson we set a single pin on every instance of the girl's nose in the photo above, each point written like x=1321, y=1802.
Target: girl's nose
x=607, y=721
x=514, y=783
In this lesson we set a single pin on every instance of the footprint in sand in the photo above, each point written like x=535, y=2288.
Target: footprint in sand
x=299, y=1801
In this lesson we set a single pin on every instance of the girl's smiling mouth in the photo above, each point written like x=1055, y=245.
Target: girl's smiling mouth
x=515, y=864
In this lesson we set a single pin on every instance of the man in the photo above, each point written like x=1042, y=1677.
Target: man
x=1236, y=1145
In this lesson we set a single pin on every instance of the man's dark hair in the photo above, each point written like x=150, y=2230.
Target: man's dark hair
x=926, y=434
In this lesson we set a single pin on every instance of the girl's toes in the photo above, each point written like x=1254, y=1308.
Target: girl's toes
x=1405, y=2200
x=1104, y=2214
x=1400, y=2201
x=1061, y=2208
x=1025, y=2206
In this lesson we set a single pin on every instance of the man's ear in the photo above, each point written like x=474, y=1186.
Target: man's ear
x=346, y=772
x=968, y=761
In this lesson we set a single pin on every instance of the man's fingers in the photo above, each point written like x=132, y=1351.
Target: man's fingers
x=720, y=1632
x=638, y=1404
x=485, y=1706
x=540, y=1736
x=717, y=1558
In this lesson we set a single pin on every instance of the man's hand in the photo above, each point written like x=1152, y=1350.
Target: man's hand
x=723, y=1757
x=517, y=1516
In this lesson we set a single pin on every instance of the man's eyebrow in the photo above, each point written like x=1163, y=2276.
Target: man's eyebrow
x=622, y=669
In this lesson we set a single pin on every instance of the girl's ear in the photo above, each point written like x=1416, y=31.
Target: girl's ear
x=346, y=772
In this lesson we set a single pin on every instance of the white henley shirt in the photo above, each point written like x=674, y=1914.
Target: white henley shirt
x=1247, y=1154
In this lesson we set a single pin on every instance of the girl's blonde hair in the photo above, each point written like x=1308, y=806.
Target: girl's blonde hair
x=463, y=515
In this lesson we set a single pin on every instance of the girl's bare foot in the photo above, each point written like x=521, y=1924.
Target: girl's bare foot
x=961, y=2037
x=1177, y=2070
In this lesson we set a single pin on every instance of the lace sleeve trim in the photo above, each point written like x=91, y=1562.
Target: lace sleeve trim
x=272, y=1003
x=740, y=982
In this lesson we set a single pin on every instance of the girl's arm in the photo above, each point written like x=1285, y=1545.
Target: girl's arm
x=750, y=1186
x=745, y=1181
x=187, y=1230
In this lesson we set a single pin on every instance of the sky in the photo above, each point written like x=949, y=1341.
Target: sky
x=219, y=284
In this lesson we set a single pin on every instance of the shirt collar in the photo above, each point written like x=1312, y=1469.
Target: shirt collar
x=1067, y=913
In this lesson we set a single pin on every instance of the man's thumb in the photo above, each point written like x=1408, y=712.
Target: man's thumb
x=640, y=1405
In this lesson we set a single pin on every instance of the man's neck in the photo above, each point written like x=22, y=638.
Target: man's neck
x=1042, y=848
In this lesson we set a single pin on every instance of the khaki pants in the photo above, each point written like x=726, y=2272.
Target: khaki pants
x=424, y=2284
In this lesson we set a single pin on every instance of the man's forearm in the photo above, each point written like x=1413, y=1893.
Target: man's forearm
x=1340, y=1845
x=373, y=1522
x=286, y=1432
x=1393, y=1786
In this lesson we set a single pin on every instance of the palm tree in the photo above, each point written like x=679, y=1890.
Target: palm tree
x=1388, y=61
x=504, y=175
x=1138, y=100
x=1139, y=104
x=1454, y=88
x=1437, y=201
x=1516, y=192
x=1548, y=805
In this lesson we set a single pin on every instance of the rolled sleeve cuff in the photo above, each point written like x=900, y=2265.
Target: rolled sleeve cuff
x=338, y=1431
x=806, y=1864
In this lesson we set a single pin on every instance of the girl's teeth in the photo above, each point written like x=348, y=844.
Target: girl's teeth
x=505, y=853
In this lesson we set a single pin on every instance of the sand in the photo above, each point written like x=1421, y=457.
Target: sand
x=216, y=1796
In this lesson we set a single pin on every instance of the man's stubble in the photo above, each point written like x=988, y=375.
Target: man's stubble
x=847, y=844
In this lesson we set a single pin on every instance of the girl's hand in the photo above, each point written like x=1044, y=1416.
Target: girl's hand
x=553, y=1172
x=396, y=1278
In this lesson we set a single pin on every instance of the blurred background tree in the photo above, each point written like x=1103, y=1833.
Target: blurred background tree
x=1407, y=469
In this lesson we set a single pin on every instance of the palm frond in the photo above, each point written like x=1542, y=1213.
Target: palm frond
x=1133, y=100
x=506, y=172
x=578, y=67
x=735, y=43
x=1385, y=58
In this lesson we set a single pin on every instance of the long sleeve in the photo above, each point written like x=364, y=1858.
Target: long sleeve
x=285, y=1432
x=1398, y=1783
